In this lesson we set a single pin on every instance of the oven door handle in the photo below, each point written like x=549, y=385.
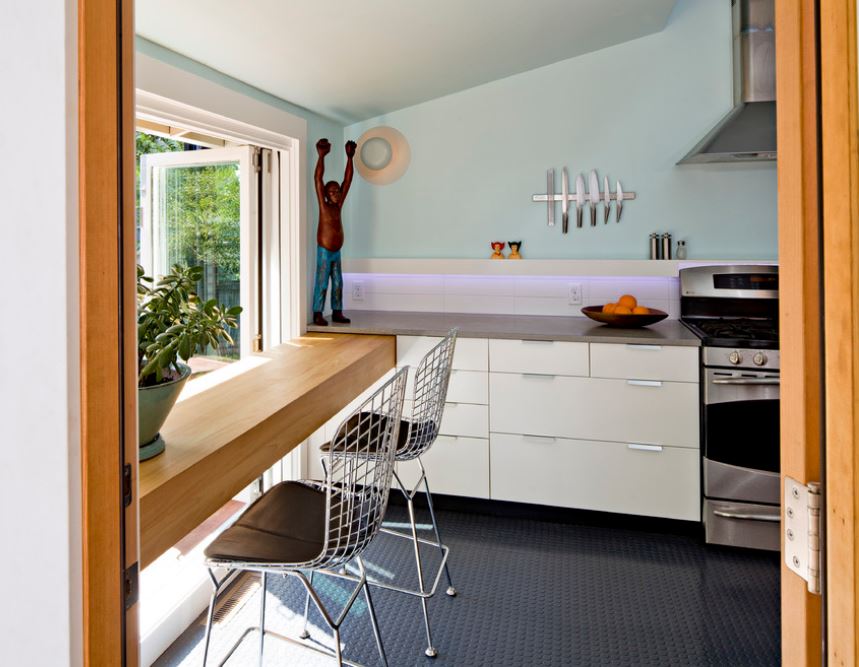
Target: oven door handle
x=747, y=381
x=747, y=517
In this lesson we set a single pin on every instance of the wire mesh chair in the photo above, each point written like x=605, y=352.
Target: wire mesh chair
x=300, y=528
x=416, y=436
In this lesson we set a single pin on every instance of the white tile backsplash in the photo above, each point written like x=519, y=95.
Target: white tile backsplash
x=504, y=294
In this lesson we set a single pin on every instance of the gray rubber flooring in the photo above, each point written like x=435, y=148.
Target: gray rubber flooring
x=534, y=593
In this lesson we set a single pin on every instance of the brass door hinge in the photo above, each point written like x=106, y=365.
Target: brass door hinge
x=802, y=552
x=257, y=343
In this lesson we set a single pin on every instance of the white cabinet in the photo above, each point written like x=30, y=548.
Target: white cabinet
x=596, y=426
x=538, y=356
x=636, y=411
x=605, y=476
x=470, y=354
x=466, y=420
x=468, y=387
x=455, y=466
x=644, y=362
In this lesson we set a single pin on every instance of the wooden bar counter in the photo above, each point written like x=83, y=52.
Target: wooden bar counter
x=221, y=438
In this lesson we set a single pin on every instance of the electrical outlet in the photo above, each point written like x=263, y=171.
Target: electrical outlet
x=357, y=291
x=575, y=294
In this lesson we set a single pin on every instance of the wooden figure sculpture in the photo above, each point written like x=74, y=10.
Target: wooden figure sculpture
x=497, y=247
x=329, y=235
x=514, y=249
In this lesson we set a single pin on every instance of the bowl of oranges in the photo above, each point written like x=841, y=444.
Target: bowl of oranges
x=626, y=313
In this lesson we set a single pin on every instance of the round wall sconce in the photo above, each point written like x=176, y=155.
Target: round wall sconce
x=383, y=155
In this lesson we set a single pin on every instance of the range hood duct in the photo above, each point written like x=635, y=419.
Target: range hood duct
x=748, y=132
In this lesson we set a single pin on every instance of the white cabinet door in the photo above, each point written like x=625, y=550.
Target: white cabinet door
x=605, y=476
x=468, y=387
x=470, y=354
x=644, y=362
x=455, y=466
x=643, y=412
x=538, y=356
x=465, y=420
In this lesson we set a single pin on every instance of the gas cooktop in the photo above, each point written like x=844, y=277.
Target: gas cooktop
x=735, y=332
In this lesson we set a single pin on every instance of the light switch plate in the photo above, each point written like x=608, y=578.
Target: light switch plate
x=357, y=291
x=575, y=290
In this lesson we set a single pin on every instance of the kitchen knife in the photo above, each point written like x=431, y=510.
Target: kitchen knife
x=550, y=192
x=594, y=192
x=580, y=199
x=565, y=204
x=618, y=194
x=606, y=212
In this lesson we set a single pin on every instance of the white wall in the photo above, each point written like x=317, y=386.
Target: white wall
x=40, y=620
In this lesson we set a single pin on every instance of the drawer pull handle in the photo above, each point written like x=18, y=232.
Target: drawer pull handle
x=747, y=516
x=644, y=348
x=543, y=438
x=537, y=341
x=645, y=448
x=644, y=383
x=538, y=376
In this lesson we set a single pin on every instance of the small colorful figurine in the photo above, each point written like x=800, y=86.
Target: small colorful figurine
x=497, y=247
x=514, y=249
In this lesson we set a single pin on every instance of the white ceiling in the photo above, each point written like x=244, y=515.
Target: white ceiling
x=355, y=59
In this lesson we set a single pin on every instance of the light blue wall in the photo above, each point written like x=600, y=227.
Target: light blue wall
x=631, y=111
x=317, y=127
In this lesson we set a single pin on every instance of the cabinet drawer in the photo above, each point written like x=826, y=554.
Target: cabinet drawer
x=644, y=362
x=646, y=412
x=464, y=419
x=455, y=466
x=605, y=476
x=538, y=356
x=468, y=387
x=470, y=354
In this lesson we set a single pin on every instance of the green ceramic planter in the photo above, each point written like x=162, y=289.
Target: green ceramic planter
x=153, y=406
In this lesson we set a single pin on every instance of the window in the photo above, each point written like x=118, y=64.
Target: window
x=198, y=206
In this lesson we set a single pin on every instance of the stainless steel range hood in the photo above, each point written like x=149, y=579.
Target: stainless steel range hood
x=748, y=132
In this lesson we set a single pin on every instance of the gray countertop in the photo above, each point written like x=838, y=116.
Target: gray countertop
x=525, y=327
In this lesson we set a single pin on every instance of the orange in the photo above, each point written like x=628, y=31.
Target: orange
x=627, y=300
x=622, y=310
x=640, y=310
x=609, y=307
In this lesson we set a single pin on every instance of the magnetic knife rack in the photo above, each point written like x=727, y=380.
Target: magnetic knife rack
x=551, y=197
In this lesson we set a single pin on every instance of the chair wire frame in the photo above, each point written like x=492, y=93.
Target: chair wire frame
x=357, y=487
x=431, y=381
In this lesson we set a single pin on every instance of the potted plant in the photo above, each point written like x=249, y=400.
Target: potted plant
x=172, y=324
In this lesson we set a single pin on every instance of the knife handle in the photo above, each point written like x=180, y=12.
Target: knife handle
x=550, y=199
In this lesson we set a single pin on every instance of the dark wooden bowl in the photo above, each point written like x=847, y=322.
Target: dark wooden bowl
x=623, y=321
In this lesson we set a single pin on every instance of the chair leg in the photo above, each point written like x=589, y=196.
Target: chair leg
x=375, y=624
x=304, y=633
x=337, y=652
x=430, y=651
x=262, y=616
x=211, y=616
x=451, y=591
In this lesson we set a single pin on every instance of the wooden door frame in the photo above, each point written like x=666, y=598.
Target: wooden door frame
x=818, y=198
x=840, y=150
x=108, y=328
x=799, y=296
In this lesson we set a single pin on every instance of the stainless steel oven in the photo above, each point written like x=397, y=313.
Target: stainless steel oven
x=734, y=310
x=741, y=456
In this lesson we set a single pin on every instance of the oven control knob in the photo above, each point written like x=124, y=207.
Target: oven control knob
x=735, y=357
x=759, y=359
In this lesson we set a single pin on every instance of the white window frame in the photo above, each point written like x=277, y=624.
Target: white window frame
x=152, y=258
x=284, y=291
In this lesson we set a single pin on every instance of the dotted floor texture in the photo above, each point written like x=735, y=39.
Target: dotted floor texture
x=531, y=593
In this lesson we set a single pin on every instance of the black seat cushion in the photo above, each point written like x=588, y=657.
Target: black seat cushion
x=284, y=525
x=372, y=423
